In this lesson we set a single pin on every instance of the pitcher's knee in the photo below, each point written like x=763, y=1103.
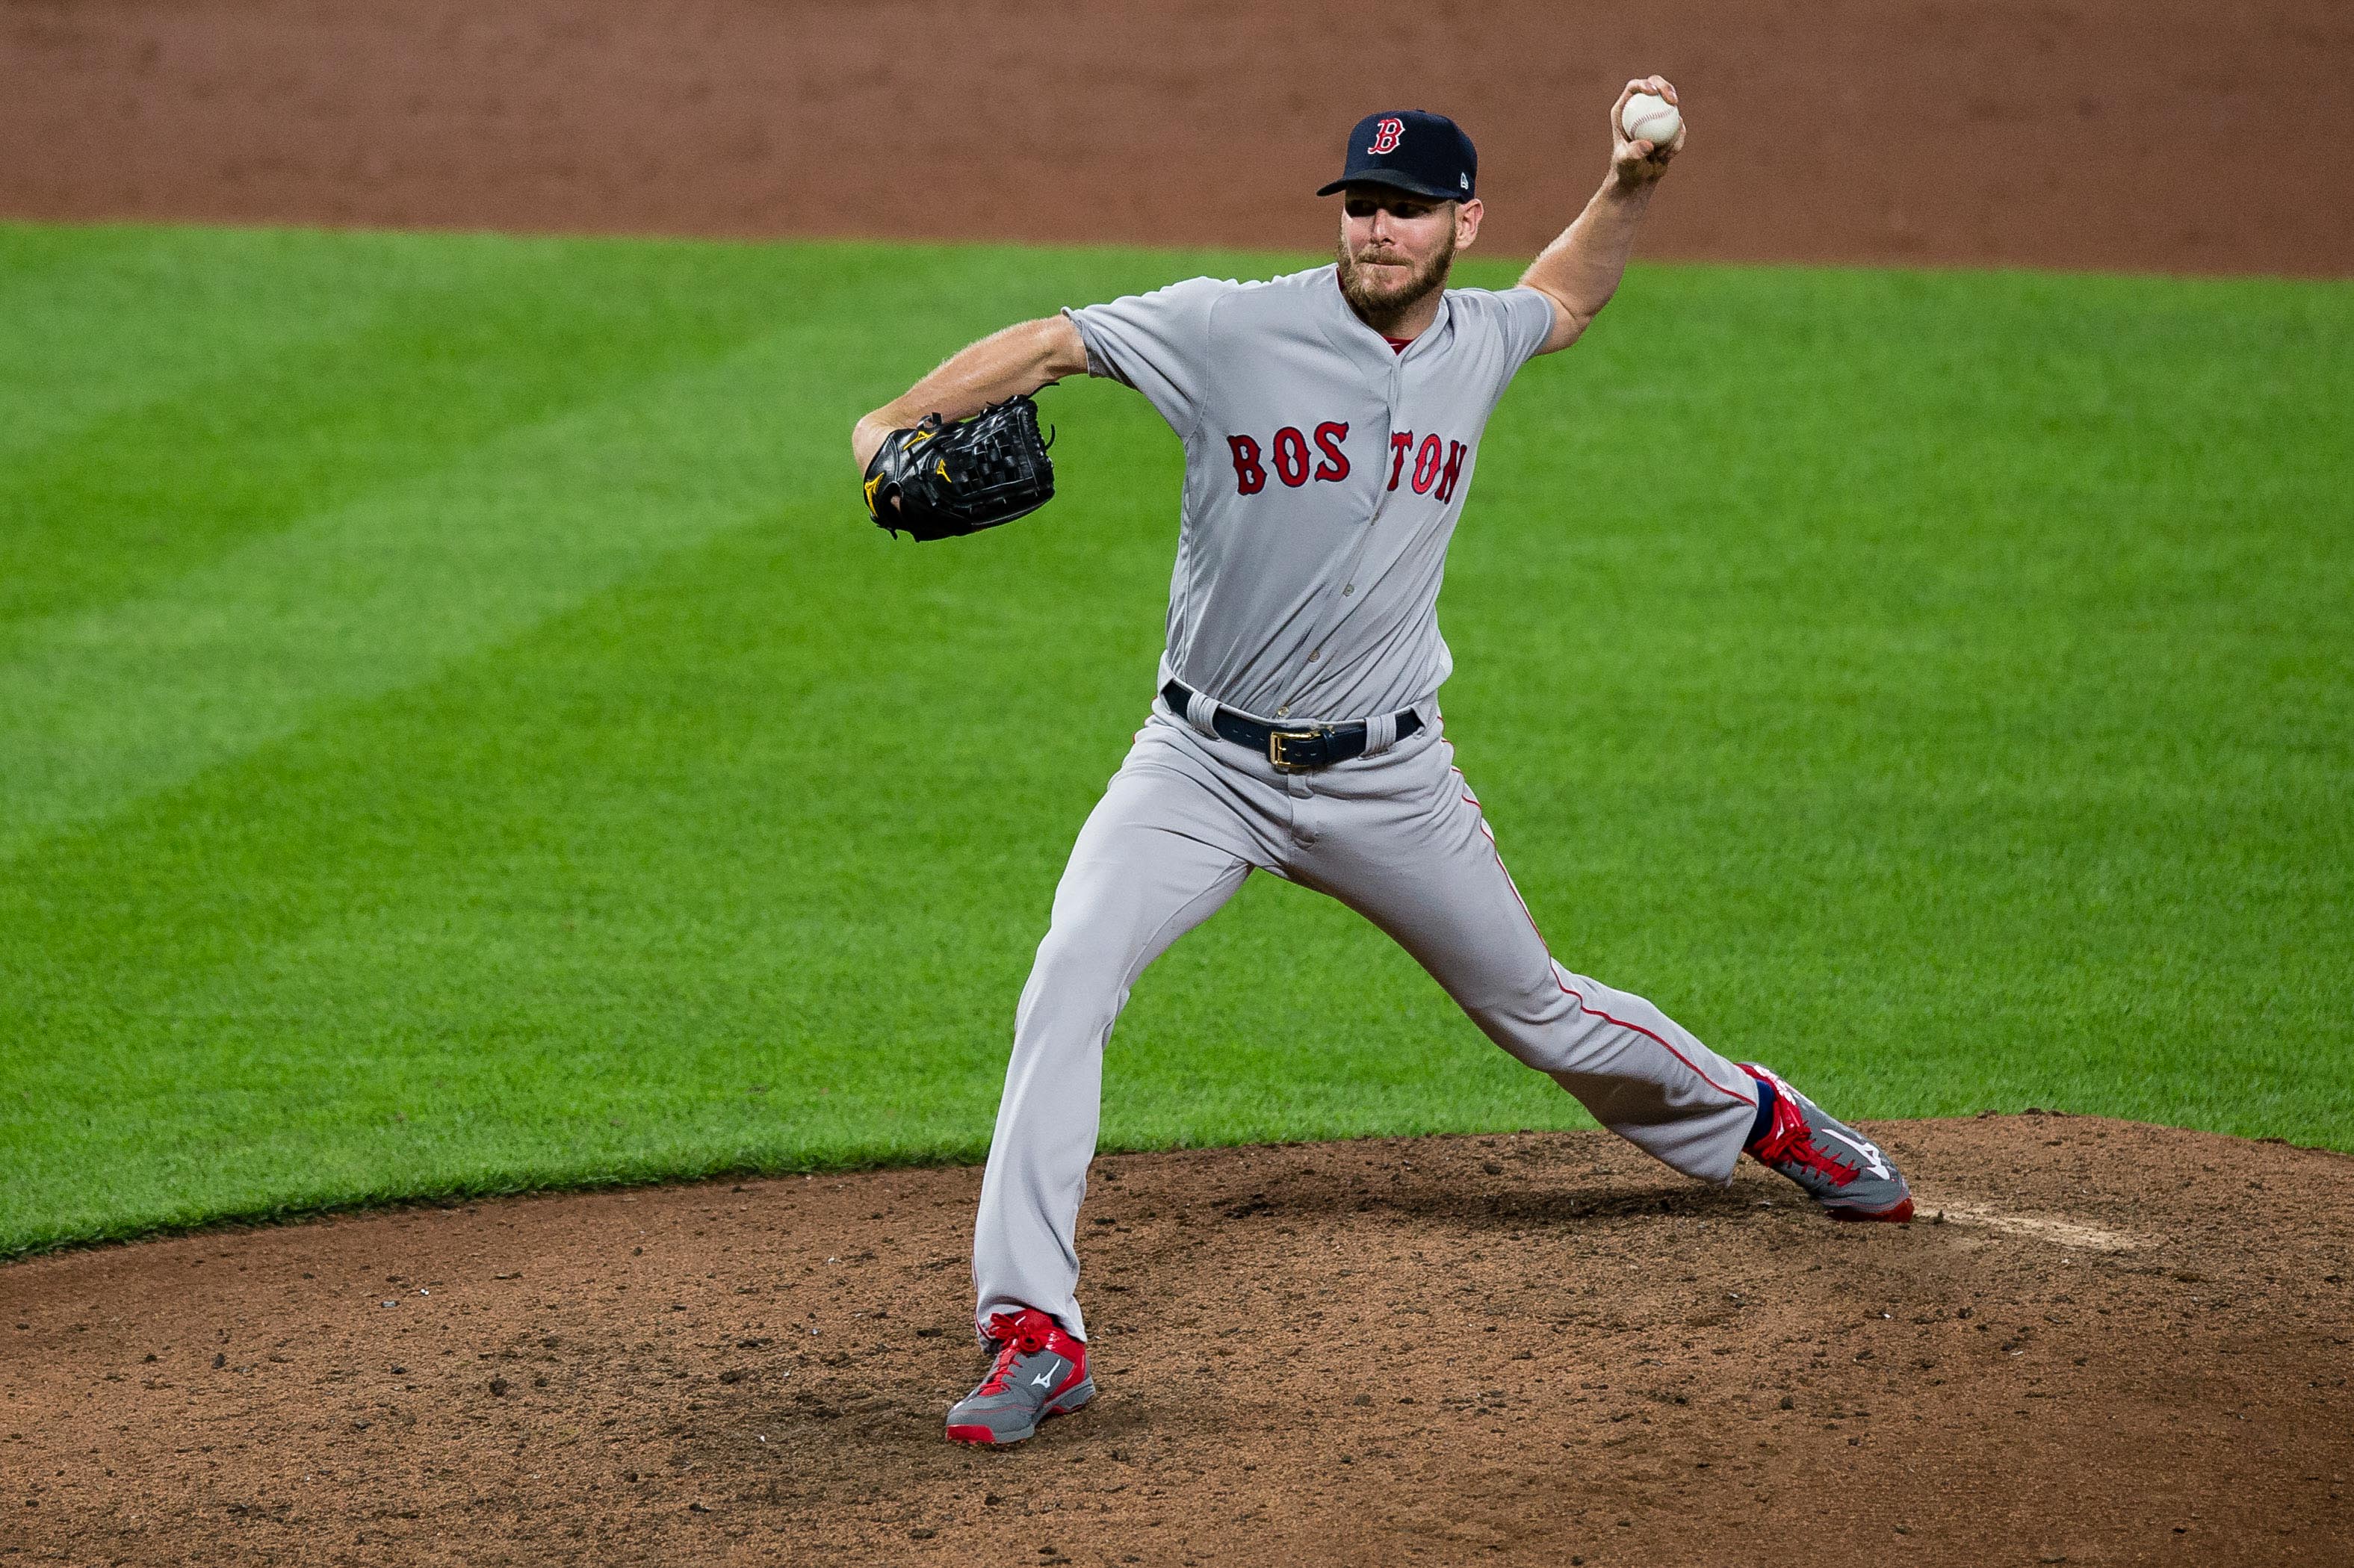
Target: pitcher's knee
x=1079, y=942
x=1083, y=958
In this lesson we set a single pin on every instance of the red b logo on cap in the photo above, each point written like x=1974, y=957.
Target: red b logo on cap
x=1385, y=136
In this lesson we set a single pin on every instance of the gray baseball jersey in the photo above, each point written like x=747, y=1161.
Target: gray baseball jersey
x=1323, y=476
x=1324, y=473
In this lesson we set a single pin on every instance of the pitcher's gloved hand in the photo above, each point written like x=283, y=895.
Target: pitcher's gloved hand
x=950, y=479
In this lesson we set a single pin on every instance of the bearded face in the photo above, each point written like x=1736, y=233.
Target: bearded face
x=1389, y=261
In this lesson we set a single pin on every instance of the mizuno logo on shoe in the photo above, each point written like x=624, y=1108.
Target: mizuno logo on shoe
x=1864, y=1147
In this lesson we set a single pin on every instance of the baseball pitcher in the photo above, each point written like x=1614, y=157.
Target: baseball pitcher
x=1331, y=422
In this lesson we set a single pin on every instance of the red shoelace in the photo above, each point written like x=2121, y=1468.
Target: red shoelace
x=1788, y=1142
x=1015, y=1338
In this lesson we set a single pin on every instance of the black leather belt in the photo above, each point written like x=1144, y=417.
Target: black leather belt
x=1301, y=750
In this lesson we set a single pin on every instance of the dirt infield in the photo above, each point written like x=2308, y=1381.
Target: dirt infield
x=2139, y=134
x=2123, y=1344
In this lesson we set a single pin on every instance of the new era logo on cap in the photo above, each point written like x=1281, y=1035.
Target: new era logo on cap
x=1412, y=149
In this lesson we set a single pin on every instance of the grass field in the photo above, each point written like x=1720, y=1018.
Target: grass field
x=458, y=732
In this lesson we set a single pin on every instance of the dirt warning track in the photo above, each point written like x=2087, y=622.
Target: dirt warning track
x=2124, y=1344
x=2171, y=135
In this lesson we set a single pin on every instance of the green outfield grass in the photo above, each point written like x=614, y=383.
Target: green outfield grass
x=459, y=734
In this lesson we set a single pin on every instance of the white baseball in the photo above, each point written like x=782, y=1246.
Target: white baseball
x=1650, y=118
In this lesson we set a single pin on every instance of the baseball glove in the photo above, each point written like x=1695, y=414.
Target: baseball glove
x=950, y=479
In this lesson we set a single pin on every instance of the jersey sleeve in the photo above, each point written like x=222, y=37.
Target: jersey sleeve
x=1156, y=343
x=1528, y=322
x=1506, y=326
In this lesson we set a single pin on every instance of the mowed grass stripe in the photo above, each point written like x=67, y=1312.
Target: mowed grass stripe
x=102, y=321
x=1813, y=687
x=100, y=706
x=403, y=376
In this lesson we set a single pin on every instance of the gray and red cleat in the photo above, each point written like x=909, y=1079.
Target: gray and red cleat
x=1839, y=1167
x=1040, y=1372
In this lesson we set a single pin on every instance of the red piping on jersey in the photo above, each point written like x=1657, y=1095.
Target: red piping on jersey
x=1473, y=802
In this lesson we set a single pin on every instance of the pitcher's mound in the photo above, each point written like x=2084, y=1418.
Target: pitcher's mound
x=2121, y=1344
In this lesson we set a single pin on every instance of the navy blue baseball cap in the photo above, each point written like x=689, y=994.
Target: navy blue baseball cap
x=1414, y=150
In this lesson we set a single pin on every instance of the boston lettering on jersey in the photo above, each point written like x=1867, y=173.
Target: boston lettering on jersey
x=1324, y=474
x=1436, y=461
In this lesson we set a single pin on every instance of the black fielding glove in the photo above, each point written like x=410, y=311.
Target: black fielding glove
x=954, y=480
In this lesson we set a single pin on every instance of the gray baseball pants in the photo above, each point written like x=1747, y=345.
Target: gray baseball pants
x=1396, y=836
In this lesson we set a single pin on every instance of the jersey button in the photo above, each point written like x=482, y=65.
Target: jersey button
x=1348, y=591
x=1315, y=654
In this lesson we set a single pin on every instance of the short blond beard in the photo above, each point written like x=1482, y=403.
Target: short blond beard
x=1387, y=311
